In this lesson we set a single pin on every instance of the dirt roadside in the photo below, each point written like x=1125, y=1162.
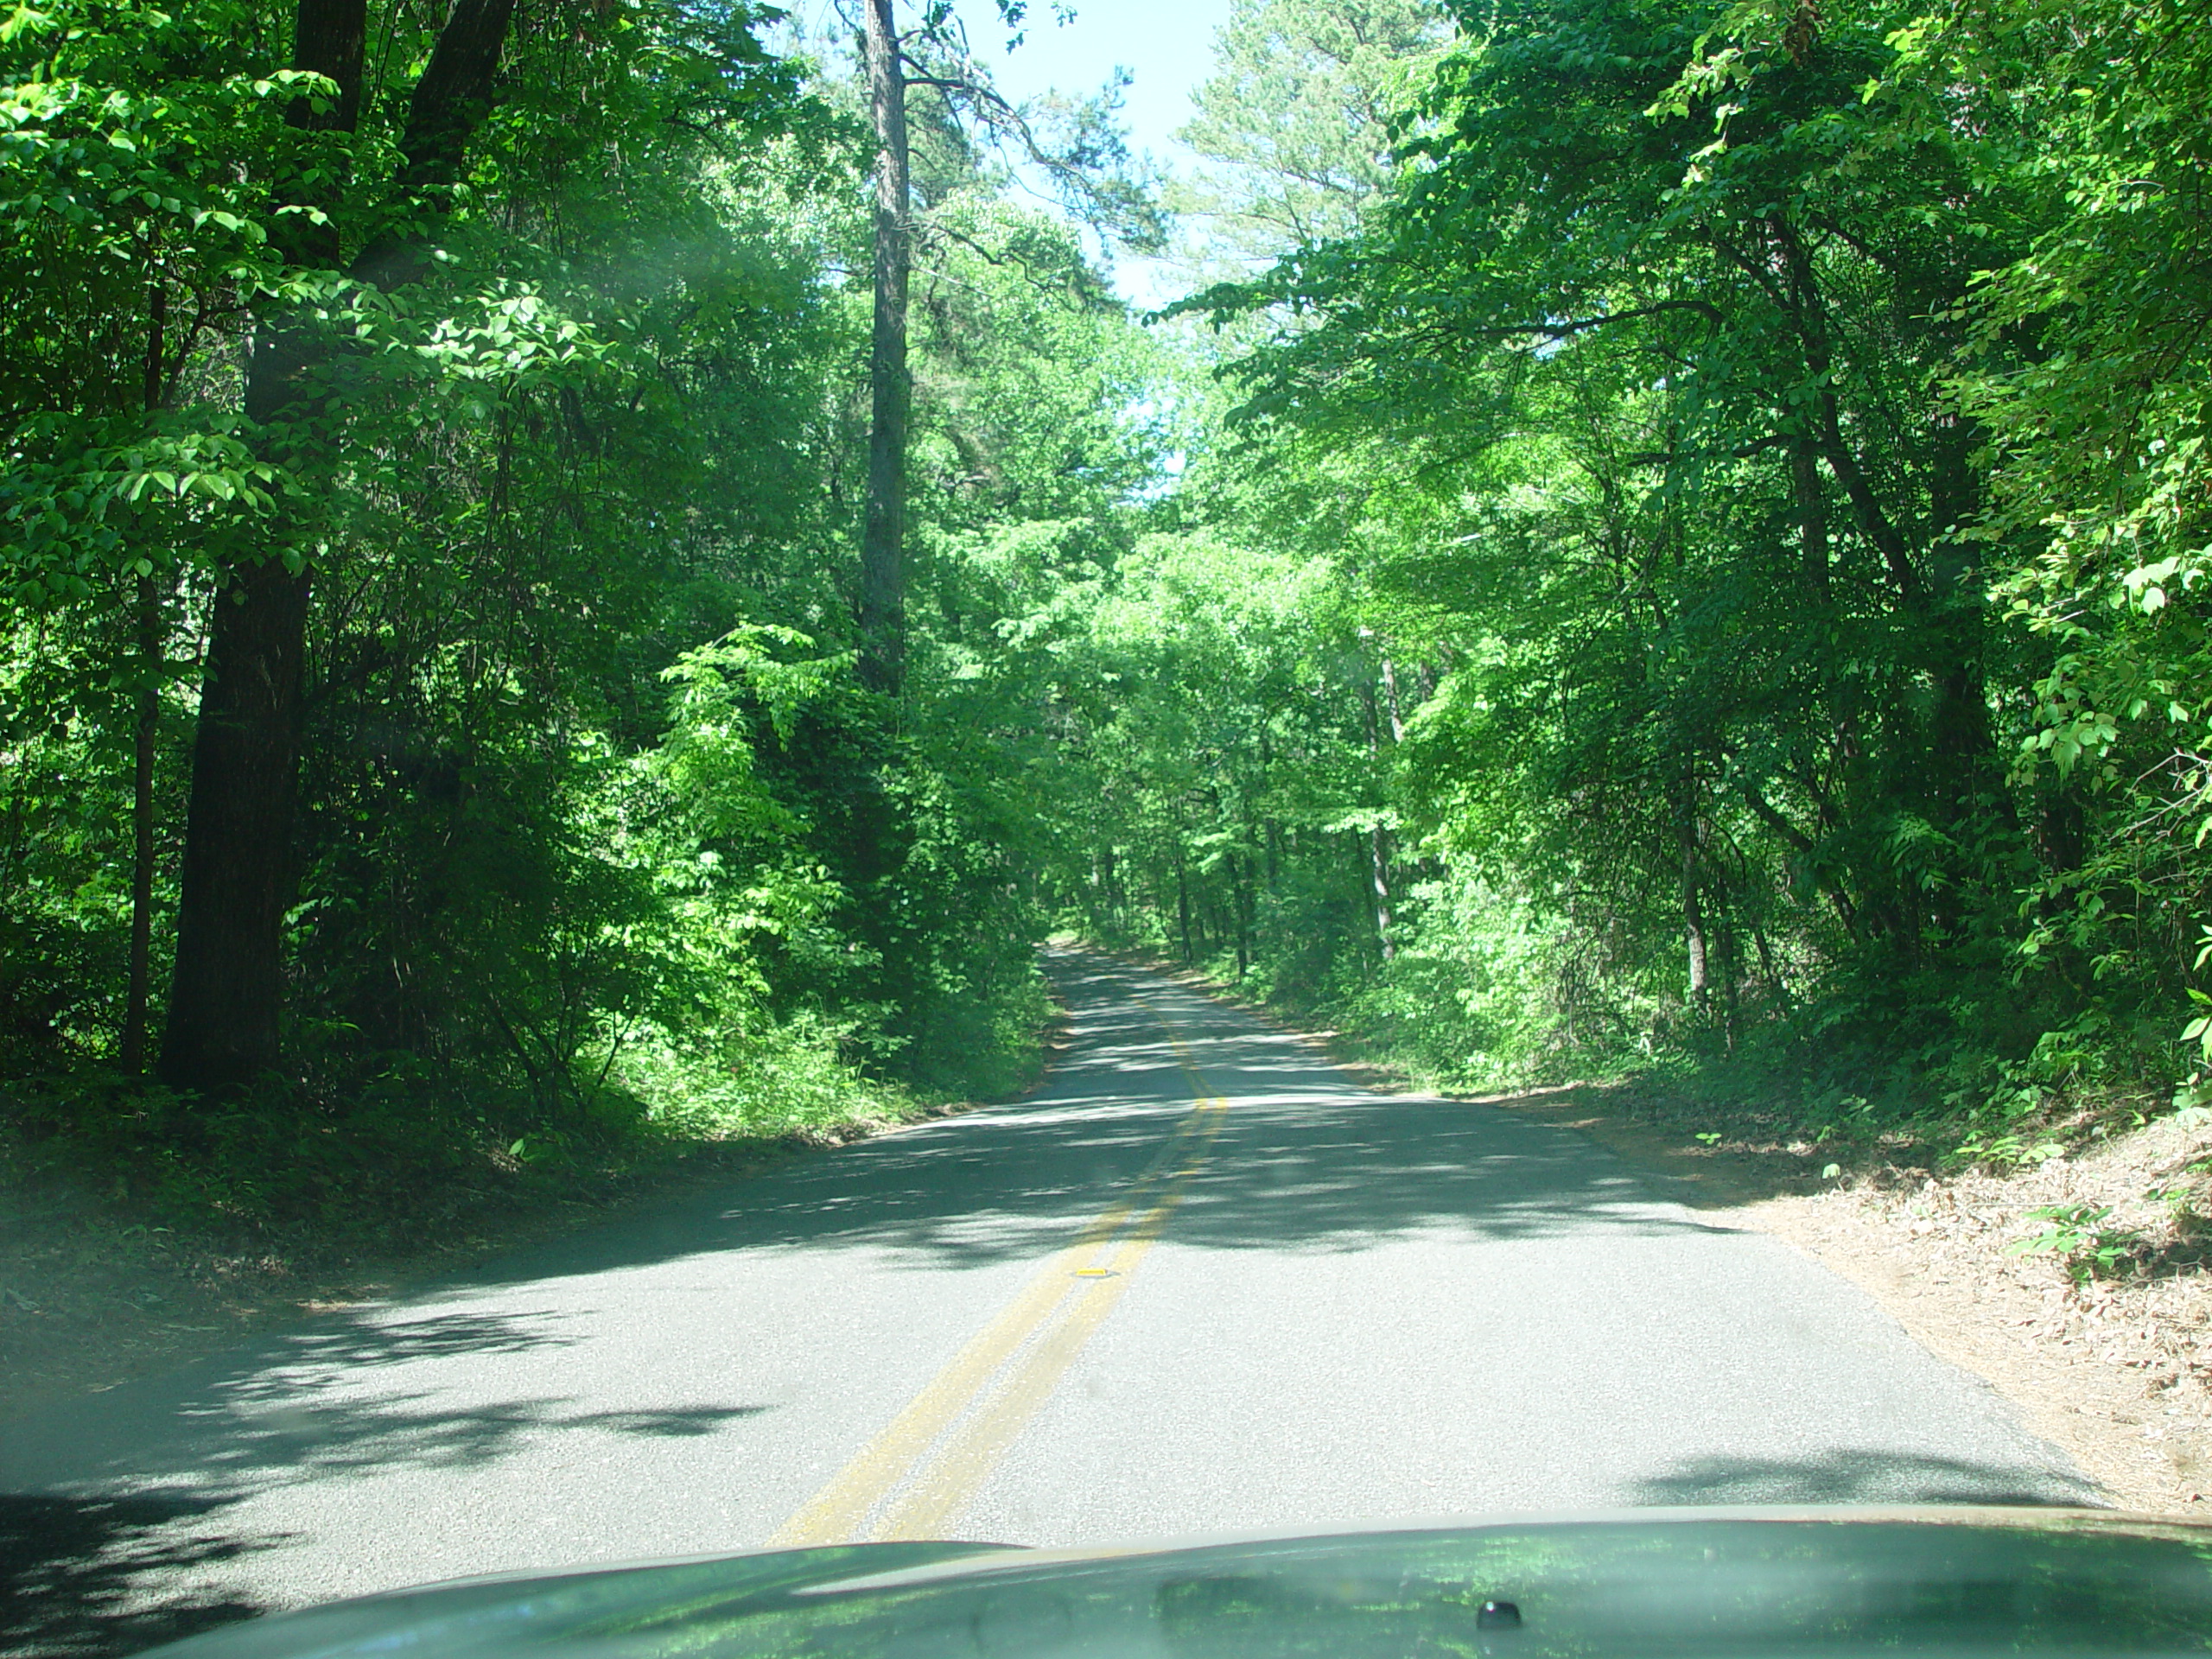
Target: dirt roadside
x=92, y=1296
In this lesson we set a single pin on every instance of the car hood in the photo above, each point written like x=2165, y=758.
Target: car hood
x=1646, y=1584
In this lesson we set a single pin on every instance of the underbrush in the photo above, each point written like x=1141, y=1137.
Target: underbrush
x=1942, y=1069
x=1946, y=1072
x=395, y=1157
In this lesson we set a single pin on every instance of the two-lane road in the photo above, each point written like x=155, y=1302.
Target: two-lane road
x=1201, y=1282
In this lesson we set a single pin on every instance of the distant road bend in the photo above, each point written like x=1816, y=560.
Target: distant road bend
x=1201, y=1282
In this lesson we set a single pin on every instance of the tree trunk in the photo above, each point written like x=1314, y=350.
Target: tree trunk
x=1240, y=900
x=1360, y=900
x=1183, y=900
x=1378, y=838
x=1731, y=973
x=141, y=828
x=1812, y=513
x=883, y=579
x=1378, y=850
x=1767, y=971
x=1270, y=830
x=1693, y=913
x=227, y=993
x=1808, y=316
x=139, y=990
x=1390, y=701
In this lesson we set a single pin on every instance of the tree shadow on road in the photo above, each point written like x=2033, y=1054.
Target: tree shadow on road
x=1854, y=1476
x=1305, y=1161
x=269, y=1414
x=85, y=1578
x=78, y=1575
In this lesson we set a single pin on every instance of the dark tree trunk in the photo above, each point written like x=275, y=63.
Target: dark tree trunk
x=1183, y=900
x=1767, y=971
x=457, y=90
x=237, y=880
x=1270, y=831
x=883, y=580
x=139, y=993
x=1812, y=513
x=227, y=994
x=1807, y=315
x=1731, y=973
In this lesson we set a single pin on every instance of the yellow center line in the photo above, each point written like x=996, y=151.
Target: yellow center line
x=1182, y=1053
x=992, y=1382
x=960, y=1469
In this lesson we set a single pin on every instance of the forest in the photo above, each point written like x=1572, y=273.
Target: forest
x=587, y=576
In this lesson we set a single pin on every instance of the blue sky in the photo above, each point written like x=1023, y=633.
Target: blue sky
x=1167, y=47
x=1166, y=44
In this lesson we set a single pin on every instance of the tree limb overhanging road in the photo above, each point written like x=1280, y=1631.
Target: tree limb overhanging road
x=1201, y=1281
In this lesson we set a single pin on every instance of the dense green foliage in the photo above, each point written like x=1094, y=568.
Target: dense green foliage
x=596, y=837
x=1719, y=558
x=1683, y=538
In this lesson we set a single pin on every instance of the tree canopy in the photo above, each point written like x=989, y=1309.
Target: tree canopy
x=590, y=573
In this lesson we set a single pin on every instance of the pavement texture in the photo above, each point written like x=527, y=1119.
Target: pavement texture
x=1201, y=1282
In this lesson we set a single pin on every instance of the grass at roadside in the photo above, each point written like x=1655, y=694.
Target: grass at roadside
x=1777, y=1108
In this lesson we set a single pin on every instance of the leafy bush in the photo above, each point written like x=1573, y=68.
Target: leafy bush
x=2075, y=1233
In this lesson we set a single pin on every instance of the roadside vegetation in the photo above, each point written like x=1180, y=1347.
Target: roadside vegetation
x=589, y=581
x=433, y=768
x=1700, y=576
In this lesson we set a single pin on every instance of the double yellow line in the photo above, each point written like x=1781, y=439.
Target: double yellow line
x=914, y=1478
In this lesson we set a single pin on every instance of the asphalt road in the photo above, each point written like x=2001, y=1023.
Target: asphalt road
x=1202, y=1281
